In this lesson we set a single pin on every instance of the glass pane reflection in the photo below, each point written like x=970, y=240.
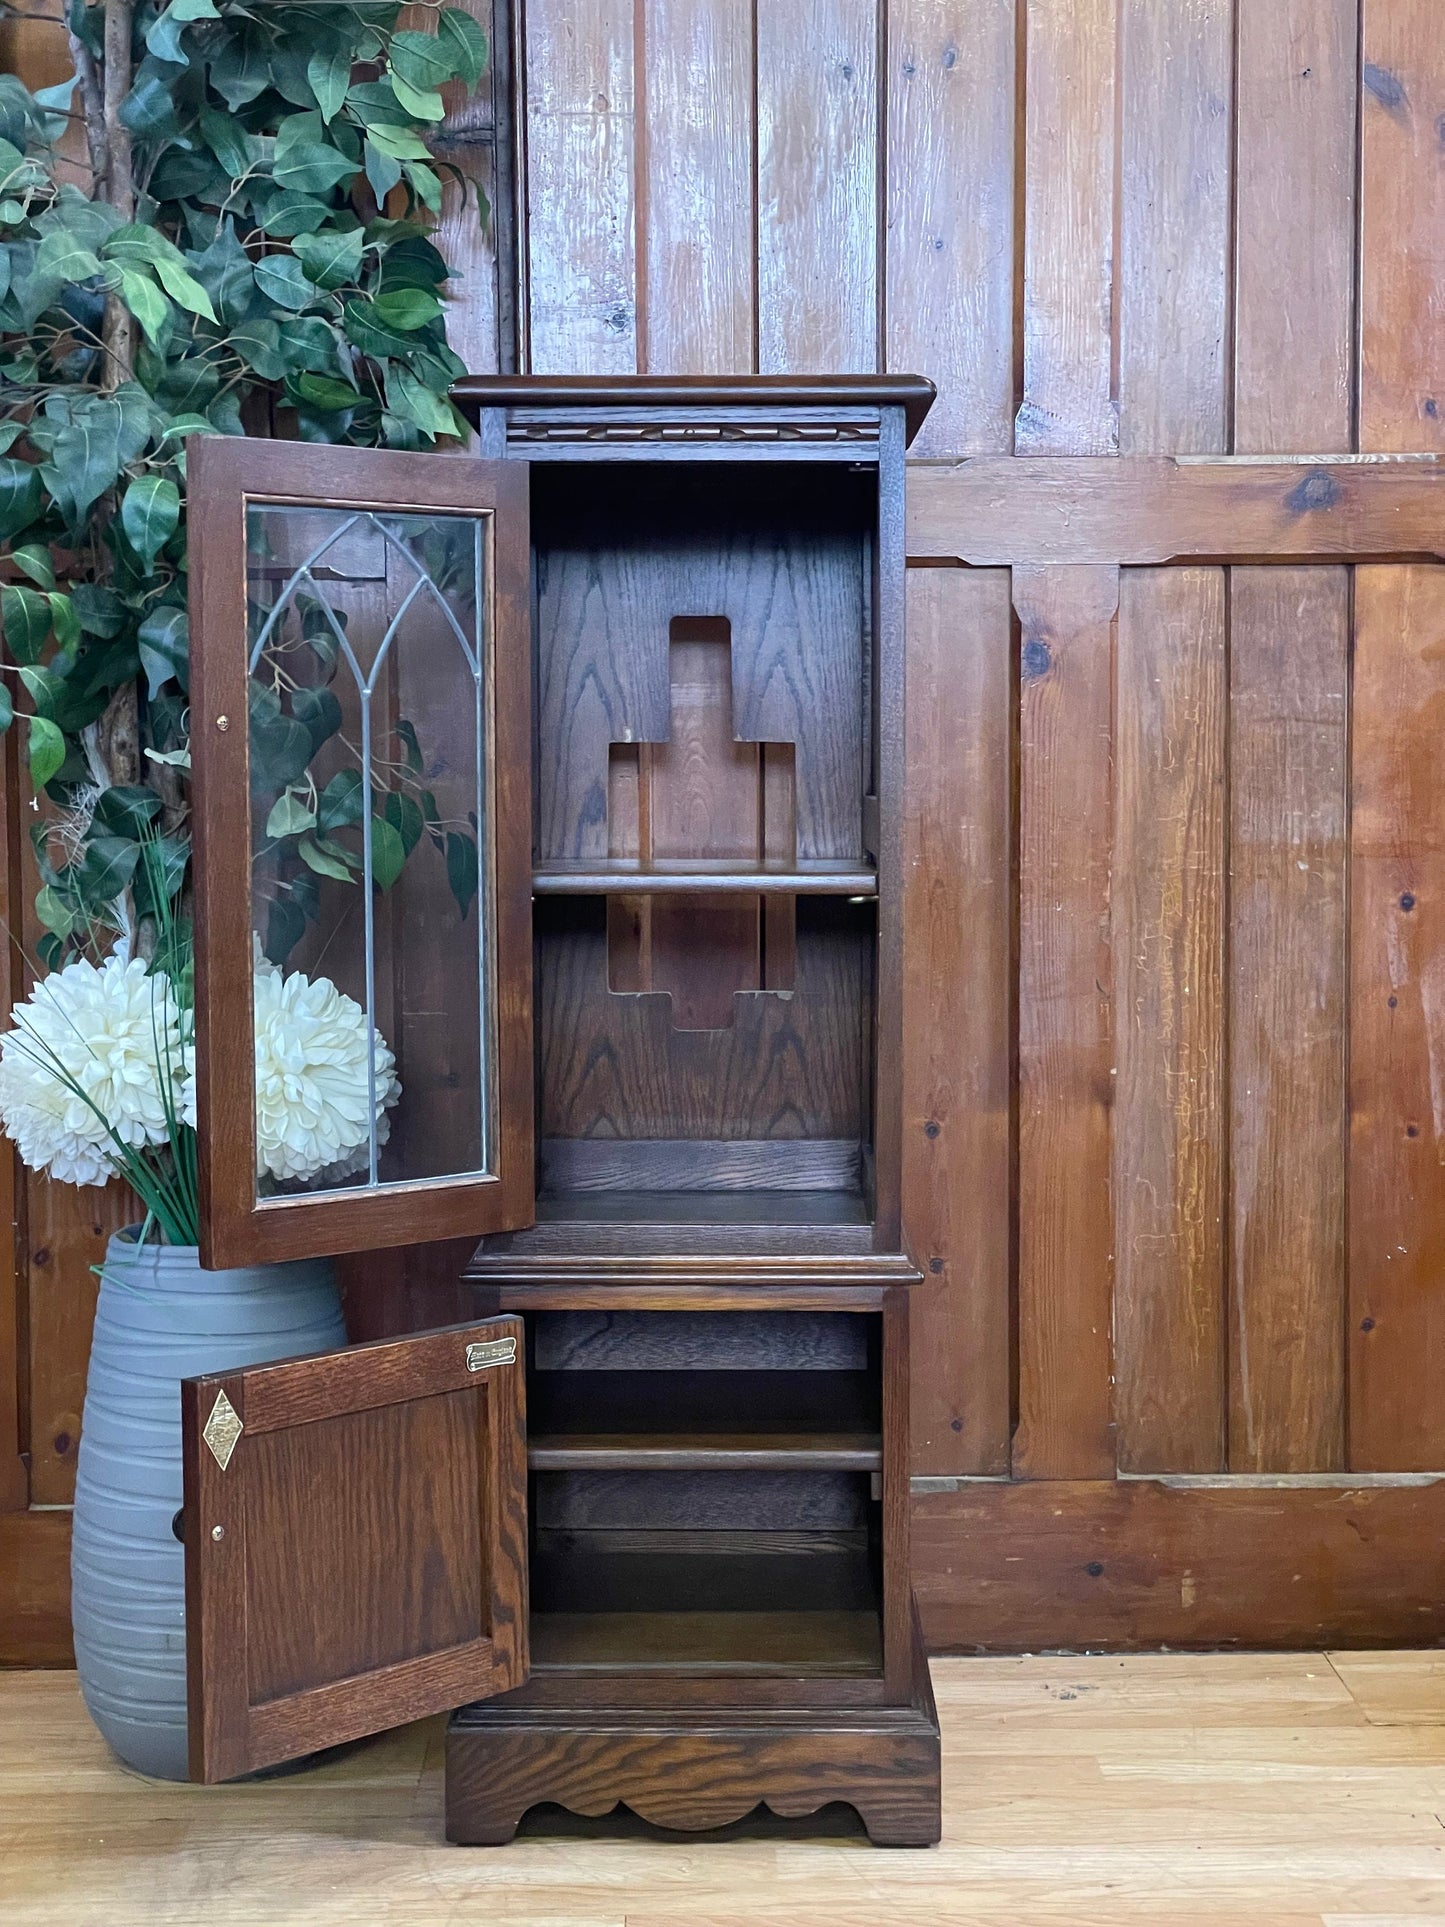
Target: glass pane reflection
x=370, y=904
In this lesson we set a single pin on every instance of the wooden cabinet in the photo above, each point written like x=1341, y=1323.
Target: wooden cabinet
x=654, y=1069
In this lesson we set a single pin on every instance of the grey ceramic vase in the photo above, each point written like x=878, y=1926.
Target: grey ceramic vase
x=161, y=1318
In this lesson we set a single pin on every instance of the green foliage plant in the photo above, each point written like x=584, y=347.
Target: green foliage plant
x=221, y=224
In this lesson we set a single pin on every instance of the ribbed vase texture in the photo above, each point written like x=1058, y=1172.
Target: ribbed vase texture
x=160, y=1319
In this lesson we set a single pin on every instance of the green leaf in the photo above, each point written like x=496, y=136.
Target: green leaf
x=405, y=733
x=258, y=344
x=62, y=255
x=95, y=436
x=127, y=810
x=163, y=639
x=280, y=746
x=21, y=495
x=106, y=869
x=331, y=258
x=388, y=853
x=54, y=912
x=304, y=163
x=64, y=619
x=34, y=560
x=467, y=41
x=7, y=709
x=401, y=143
x=310, y=342
x=424, y=103
x=423, y=60
x=425, y=183
x=136, y=246
x=146, y=302
x=149, y=512
x=163, y=36
x=236, y=150
x=406, y=308
x=404, y=815
x=46, y=750
x=323, y=861
x=184, y=289
x=290, y=815
x=329, y=72
x=319, y=714
x=462, y=868
x=240, y=71
x=342, y=801
x=25, y=614
x=383, y=170
x=365, y=328
x=415, y=402
x=324, y=392
x=281, y=279
x=285, y=927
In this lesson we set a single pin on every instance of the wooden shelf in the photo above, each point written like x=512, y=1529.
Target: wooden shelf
x=705, y=1451
x=756, y=1643
x=623, y=878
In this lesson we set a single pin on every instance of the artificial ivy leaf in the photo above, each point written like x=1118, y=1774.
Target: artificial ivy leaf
x=224, y=270
x=423, y=60
x=106, y=869
x=421, y=102
x=406, y=309
x=291, y=815
x=425, y=183
x=294, y=214
x=43, y=689
x=20, y=495
x=285, y=927
x=233, y=147
x=258, y=345
x=34, y=560
x=146, y=302
x=46, y=751
x=7, y=709
x=240, y=72
x=324, y=861
x=163, y=640
x=54, y=912
x=388, y=853
x=324, y=392
x=281, y=279
x=25, y=614
x=137, y=246
x=416, y=403
x=319, y=714
x=331, y=258
x=100, y=609
x=94, y=437
x=467, y=41
x=163, y=36
x=159, y=876
x=401, y=143
x=405, y=733
x=370, y=333
x=383, y=170
x=309, y=342
x=149, y=109
x=280, y=746
x=342, y=801
x=64, y=619
x=462, y=868
x=304, y=163
x=65, y=257
x=149, y=512
x=127, y=810
x=414, y=263
x=329, y=74
x=404, y=815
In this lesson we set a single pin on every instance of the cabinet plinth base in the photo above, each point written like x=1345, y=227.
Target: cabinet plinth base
x=693, y=1767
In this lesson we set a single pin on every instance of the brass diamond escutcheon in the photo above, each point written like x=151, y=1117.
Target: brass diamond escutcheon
x=222, y=1429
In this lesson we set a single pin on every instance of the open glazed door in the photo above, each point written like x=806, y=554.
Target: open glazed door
x=360, y=741
x=356, y=1542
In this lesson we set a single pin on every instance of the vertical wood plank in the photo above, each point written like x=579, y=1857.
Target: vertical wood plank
x=1295, y=226
x=1069, y=153
x=696, y=201
x=14, y=1351
x=1168, y=948
x=581, y=268
x=1397, y=1024
x=1174, y=224
x=466, y=231
x=1289, y=752
x=957, y=1053
x=950, y=217
x=1402, y=219
x=817, y=108
x=1065, y=1272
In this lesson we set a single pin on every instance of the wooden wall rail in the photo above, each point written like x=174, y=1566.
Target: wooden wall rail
x=1175, y=865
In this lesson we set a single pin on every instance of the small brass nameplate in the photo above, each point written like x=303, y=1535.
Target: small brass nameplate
x=496, y=1351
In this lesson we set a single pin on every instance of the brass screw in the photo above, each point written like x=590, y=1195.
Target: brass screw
x=218, y=1532
x=223, y=722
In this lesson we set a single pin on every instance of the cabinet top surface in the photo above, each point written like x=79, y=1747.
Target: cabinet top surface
x=912, y=393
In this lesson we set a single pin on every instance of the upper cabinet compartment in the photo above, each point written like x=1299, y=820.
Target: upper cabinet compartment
x=359, y=741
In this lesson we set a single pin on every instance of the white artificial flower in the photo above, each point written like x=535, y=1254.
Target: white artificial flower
x=89, y=1050
x=311, y=1078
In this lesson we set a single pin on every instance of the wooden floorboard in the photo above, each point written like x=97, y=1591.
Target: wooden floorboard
x=1232, y=1790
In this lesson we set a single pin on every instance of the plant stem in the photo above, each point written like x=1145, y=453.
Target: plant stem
x=119, y=329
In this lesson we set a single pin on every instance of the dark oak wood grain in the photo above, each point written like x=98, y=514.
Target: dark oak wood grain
x=1141, y=510
x=1065, y=1236
x=358, y=1556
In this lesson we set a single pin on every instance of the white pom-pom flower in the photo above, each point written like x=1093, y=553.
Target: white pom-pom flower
x=311, y=1077
x=87, y=1056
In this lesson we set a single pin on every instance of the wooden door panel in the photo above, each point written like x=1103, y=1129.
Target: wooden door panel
x=355, y=1542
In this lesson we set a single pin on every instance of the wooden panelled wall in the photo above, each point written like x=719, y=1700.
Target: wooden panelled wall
x=1175, y=1084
